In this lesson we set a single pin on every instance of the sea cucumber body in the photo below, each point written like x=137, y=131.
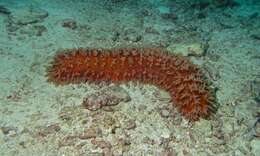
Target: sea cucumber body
x=176, y=74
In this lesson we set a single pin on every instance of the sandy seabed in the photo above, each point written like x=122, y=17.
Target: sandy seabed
x=39, y=118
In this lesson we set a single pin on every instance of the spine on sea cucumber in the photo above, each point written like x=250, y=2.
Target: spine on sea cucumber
x=177, y=75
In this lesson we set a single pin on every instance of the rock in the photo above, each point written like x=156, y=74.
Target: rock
x=91, y=133
x=115, y=94
x=107, y=97
x=164, y=113
x=12, y=133
x=4, y=10
x=9, y=131
x=69, y=23
x=101, y=143
x=192, y=49
x=28, y=15
x=130, y=124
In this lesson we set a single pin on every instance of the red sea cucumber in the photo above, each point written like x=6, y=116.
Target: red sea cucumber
x=176, y=74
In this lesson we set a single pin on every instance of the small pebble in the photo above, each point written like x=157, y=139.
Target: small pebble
x=101, y=143
x=91, y=133
x=130, y=125
x=10, y=131
x=164, y=113
x=69, y=23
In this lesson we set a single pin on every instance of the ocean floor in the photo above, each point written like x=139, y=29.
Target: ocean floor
x=40, y=118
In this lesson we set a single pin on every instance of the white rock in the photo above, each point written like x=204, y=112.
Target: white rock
x=188, y=49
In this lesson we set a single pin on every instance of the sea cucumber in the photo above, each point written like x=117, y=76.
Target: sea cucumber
x=184, y=81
